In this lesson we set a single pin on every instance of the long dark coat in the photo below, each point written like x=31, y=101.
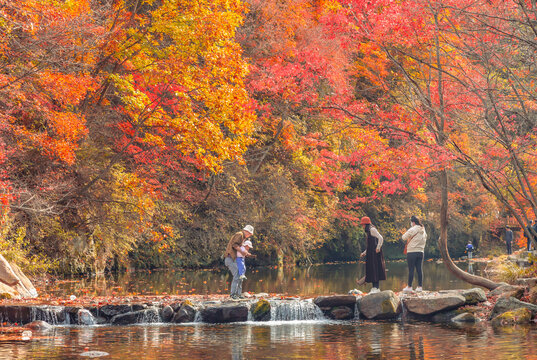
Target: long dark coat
x=375, y=268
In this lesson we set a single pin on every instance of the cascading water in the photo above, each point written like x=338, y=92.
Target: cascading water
x=85, y=317
x=53, y=315
x=287, y=310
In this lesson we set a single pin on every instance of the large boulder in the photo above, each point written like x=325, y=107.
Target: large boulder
x=225, y=313
x=382, y=305
x=338, y=307
x=433, y=303
x=474, y=296
x=261, y=310
x=505, y=304
x=186, y=313
x=517, y=316
x=507, y=290
x=15, y=283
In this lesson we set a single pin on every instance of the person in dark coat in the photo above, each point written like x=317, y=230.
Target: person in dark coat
x=509, y=240
x=527, y=233
x=375, y=268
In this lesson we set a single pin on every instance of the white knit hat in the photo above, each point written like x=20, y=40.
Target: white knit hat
x=249, y=228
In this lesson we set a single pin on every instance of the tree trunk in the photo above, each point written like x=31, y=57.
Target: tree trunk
x=442, y=242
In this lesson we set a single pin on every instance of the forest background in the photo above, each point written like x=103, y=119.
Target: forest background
x=144, y=133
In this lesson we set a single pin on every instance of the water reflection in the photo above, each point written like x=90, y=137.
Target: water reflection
x=306, y=340
x=315, y=280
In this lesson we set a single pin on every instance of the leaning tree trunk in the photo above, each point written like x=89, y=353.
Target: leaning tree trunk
x=442, y=242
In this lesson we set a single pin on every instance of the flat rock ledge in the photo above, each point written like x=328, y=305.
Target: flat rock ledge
x=457, y=306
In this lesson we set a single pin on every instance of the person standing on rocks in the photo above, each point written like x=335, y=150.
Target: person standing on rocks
x=375, y=268
x=234, y=246
x=508, y=239
x=415, y=239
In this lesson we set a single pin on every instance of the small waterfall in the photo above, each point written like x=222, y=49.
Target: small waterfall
x=286, y=310
x=356, y=311
x=53, y=315
x=197, y=317
x=150, y=315
x=85, y=317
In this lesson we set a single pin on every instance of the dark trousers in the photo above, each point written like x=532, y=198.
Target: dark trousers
x=509, y=250
x=415, y=260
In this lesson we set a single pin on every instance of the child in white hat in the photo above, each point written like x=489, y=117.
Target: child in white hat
x=247, y=245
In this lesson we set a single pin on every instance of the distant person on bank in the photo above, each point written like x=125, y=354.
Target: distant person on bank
x=375, y=268
x=470, y=249
x=509, y=239
x=415, y=239
x=528, y=231
x=233, y=247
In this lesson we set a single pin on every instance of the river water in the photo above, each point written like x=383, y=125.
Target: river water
x=281, y=340
x=318, y=339
x=315, y=280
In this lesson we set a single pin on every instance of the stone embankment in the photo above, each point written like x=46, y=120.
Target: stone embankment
x=500, y=306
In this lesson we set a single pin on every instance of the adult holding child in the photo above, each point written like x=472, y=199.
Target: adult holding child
x=375, y=268
x=415, y=239
x=233, y=247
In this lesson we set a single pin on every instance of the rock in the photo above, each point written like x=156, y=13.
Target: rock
x=261, y=295
x=333, y=301
x=149, y=315
x=29, y=287
x=39, y=325
x=109, y=311
x=465, y=317
x=337, y=307
x=341, y=313
x=225, y=313
x=12, y=277
x=507, y=290
x=382, y=305
x=7, y=292
x=517, y=316
x=261, y=310
x=474, y=296
x=16, y=314
x=176, y=306
x=527, y=282
x=166, y=313
x=440, y=317
x=187, y=313
x=505, y=304
x=71, y=313
x=431, y=304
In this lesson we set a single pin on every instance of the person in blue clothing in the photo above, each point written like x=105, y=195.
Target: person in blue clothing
x=469, y=250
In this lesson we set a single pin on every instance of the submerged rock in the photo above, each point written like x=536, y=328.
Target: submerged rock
x=338, y=307
x=505, y=304
x=382, y=305
x=39, y=325
x=465, y=317
x=517, y=316
x=433, y=303
x=261, y=310
x=225, y=313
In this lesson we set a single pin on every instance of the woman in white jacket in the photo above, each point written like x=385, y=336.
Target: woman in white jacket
x=415, y=239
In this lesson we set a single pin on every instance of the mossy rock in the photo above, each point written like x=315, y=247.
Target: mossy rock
x=518, y=316
x=261, y=310
x=5, y=296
